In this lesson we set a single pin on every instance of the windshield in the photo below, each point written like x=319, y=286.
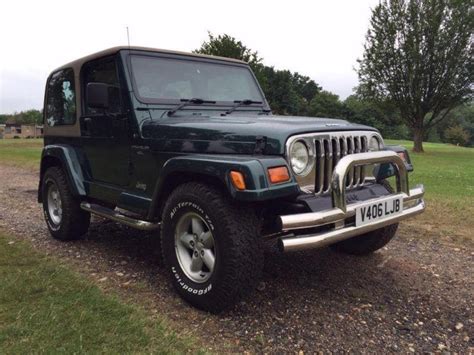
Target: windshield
x=159, y=79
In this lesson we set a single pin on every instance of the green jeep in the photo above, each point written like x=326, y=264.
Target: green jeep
x=185, y=145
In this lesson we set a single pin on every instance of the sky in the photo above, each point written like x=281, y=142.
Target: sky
x=318, y=38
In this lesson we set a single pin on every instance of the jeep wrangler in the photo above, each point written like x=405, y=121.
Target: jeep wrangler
x=186, y=146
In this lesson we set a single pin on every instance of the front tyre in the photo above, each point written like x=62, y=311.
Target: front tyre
x=210, y=247
x=64, y=217
x=367, y=243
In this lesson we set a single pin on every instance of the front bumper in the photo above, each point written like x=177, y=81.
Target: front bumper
x=339, y=215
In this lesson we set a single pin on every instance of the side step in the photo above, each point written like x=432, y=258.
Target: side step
x=119, y=217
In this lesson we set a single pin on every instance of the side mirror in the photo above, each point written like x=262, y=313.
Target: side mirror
x=97, y=95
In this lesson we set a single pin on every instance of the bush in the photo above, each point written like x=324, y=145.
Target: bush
x=457, y=135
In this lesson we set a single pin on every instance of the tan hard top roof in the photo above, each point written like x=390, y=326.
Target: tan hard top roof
x=79, y=62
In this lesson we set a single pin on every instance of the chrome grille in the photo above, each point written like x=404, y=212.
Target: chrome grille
x=328, y=153
x=326, y=150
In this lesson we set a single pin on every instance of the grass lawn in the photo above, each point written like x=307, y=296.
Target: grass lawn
x=21, y=152
x=46, y=308
x=447, y=172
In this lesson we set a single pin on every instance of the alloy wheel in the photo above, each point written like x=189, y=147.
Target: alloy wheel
x=194, y=245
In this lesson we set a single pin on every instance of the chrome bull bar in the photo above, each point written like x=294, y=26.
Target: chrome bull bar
x=412, y=201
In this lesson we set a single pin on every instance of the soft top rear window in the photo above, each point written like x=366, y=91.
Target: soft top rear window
x=61, y=99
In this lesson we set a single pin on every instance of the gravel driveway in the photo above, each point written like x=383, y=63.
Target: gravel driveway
x=414, y=296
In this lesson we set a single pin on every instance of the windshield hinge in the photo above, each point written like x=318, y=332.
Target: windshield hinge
x=260, y=143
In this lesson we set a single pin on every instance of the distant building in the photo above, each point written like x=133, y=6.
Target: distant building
x=31, y=131
x=16, y=130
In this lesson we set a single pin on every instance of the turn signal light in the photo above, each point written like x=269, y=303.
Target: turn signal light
x=403, y=156
x=237, y=179
x=278, y=174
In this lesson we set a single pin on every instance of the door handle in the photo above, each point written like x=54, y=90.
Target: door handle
x=86, y=125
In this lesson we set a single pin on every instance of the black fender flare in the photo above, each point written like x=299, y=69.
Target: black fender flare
x=66, y=157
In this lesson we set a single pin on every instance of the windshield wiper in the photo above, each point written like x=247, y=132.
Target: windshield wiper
x=187, y=102
x=239, y=103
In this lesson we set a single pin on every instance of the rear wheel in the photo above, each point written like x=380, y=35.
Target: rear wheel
x=64, y=217
x=210, y=247
x=369, y=242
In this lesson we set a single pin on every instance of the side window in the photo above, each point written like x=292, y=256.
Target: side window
x=61, y=99
x=103, y=71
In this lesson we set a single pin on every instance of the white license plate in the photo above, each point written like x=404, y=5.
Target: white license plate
x=382, y=209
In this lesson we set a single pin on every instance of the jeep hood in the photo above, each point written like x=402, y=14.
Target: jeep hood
x=235, y=134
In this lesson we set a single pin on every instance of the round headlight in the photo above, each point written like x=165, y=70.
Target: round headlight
x=299, y=157
x=374, y=144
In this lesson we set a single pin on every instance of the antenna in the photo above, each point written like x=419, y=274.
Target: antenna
x=130, y=71
x=128, y=38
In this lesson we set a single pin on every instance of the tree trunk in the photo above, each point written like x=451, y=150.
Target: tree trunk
x=418, y=140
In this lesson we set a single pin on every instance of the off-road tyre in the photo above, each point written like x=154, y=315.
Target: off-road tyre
x=238, y=254
x=74, y=221
x=369, y=242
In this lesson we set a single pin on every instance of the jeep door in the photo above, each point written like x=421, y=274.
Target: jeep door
x=105, y=131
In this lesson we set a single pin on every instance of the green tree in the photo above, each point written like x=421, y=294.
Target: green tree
x=279, y=91
x=305, y=86
x=31, y=116
x=326, y=104
x=24, y=117
x=419, y=55
x=286, y=92
x=227, y=46
x=376, y=113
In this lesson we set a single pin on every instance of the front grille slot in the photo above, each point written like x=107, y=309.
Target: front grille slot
x=328, y=151
x=320, y=164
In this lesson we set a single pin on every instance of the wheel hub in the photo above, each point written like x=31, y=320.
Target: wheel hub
x=194, y=245
x=55, y=210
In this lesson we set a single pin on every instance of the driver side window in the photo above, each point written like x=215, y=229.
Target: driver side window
x=103, y=71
